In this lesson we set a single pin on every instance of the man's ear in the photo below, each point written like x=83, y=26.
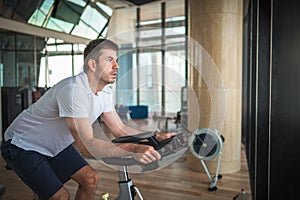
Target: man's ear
x=92, y=64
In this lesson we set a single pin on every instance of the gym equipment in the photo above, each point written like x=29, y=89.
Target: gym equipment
x=163, y=122
x=127, y=190
x=206, y=144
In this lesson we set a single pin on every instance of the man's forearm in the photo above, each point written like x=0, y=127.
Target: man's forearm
x=98, y=149
x=127, y=130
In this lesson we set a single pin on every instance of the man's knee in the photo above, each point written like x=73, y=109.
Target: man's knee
x=87, y=178
x=92, y=179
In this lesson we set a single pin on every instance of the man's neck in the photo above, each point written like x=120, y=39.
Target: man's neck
x=95, y=84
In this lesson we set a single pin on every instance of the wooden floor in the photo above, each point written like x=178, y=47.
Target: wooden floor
x=174, y=182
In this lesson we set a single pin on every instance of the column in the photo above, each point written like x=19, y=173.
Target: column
x=216, y=25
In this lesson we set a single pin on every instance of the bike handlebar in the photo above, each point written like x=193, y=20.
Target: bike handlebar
x=147, y=138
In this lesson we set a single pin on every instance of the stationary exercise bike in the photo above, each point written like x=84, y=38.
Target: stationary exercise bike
x=168, y=147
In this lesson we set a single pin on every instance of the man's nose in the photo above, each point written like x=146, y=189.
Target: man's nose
x=115, y=65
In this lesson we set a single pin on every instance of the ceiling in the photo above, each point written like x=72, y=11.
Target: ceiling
x=71, y=17
x=141, y=2
x=118, y=4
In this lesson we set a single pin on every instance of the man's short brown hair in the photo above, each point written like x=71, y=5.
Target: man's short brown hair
x=93, y=50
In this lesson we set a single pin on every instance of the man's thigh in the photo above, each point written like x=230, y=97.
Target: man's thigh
x=34, y=170
x=67, y=163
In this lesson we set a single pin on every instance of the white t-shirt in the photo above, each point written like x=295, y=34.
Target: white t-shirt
x=42, y=127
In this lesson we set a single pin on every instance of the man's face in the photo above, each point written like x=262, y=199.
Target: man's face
x=107, y=66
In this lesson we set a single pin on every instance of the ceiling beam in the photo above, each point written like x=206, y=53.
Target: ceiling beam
x=12, y=25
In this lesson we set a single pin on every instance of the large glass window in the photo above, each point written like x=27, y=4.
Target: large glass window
x=59, y=67
x=61, y=60
x=20, y=59
x=82, y=18
x=158, y=69
x=150, y=80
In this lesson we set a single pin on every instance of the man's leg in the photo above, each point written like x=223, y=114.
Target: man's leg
x=87, y=179
x=75, y=167
x=35, y=171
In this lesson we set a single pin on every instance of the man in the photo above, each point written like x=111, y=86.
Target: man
x=38, y=144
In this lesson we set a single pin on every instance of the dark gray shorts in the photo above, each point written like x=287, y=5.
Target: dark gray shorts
x=44, y=175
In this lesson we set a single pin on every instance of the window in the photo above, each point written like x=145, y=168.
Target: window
x=61, y=60
x=82, y=18
x=19, y=59
x=158, y=69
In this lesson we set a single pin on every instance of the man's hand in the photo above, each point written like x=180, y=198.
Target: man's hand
x=164, y=135
x=145, y=154
x=140, y=152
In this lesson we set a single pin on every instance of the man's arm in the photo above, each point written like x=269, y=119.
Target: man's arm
x=119, y=129
x=88, y=145
x=113, y=121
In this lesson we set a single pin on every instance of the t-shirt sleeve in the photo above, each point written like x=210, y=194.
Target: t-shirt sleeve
x=72, y=102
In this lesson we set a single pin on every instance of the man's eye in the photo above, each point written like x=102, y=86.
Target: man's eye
x=110, y=60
